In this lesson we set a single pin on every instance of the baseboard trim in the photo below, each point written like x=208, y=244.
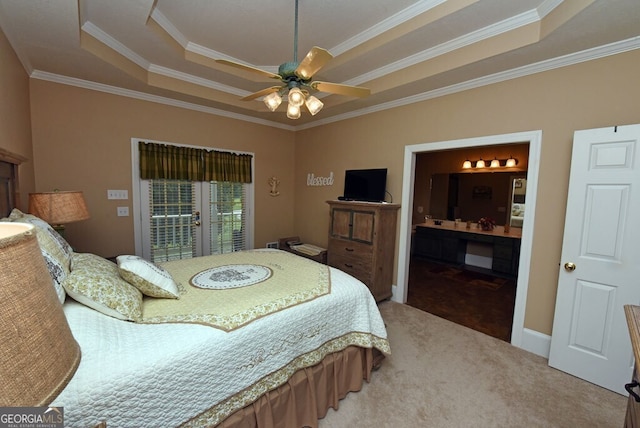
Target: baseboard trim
x=536, y=342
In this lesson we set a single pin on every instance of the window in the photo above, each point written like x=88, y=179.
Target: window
x=177, y=219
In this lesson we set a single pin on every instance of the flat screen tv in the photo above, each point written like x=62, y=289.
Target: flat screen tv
x=367, y=185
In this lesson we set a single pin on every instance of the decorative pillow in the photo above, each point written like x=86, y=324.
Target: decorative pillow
x=56, y=251
x=96, y=283
x=151, y=279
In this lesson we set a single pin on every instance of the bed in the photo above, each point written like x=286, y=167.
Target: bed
x=255, y=338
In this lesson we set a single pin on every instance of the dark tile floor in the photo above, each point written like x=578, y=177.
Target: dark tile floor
x=473, y=299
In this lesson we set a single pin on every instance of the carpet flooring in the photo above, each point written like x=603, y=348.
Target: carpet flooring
x=473, y=299
x=442, y=375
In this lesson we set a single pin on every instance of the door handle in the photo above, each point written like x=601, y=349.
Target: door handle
x=569, y=267
x=196, y=218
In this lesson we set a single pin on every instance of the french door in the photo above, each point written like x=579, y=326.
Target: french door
x=184, y=219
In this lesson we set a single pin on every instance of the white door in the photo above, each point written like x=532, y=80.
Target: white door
x=600, y=264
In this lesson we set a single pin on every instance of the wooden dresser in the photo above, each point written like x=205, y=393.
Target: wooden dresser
x=362, y=239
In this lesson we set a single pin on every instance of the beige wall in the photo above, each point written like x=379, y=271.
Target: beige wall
x=595, y=94
x=82, y=141
x=15, y=123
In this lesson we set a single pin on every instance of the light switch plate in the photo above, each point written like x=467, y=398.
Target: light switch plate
x=123, y=211
x=117, y=194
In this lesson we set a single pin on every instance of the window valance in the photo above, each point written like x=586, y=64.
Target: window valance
x=162, y=161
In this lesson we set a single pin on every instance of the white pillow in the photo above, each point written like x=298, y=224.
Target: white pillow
x=151, y=279
x=96, y=283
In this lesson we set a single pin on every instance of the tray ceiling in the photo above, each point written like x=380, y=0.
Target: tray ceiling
x=404, y=51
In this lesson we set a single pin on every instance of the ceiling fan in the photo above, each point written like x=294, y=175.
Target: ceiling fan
x=297, y=80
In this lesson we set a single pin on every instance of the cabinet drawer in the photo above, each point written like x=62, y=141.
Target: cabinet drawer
x=341, y=247
x=353, y=258
x=358, y=268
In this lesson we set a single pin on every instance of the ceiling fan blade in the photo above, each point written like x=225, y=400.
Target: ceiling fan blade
x=337, y=88
x=261, y=93
x=249, y=68
x=314, y=61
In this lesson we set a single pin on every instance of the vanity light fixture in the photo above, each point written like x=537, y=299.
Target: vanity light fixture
x=495, y=163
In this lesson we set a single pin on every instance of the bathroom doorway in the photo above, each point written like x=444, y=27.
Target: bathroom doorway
x=534, y=139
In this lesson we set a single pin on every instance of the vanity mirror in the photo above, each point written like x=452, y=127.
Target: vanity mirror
x=499, y=195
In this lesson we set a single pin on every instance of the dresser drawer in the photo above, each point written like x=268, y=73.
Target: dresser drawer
x=341, y=247
x=353, y=258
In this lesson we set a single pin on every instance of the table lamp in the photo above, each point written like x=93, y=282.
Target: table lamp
x=58, y=208
x=39, y=354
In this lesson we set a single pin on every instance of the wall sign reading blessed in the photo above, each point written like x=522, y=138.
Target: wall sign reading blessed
x=312, y=180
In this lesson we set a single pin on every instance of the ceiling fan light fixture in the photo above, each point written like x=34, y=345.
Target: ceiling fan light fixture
x=293, y=111
x=313, y=104
x=272, y=101
x=296, y=97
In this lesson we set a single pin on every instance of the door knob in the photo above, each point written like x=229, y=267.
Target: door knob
x=569, y=267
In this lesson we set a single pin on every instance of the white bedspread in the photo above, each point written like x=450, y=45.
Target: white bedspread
x=162, y=375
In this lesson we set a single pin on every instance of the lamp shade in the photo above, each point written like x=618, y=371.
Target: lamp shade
x=313, y=104
x=39, y=354
x=58, y=207
x=272, y=101
x=296, y=97
x=293, y=112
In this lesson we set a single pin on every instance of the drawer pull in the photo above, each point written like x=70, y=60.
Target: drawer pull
x=629, y=387
x=348, y=265
x=349, y=249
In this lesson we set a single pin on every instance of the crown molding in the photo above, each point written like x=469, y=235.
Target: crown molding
x=510, y=24
x=104, y=37
x=385, y=25
x=539, y=67
x=548, y=6
x=494, y=30
x=113, y=90
x=169, y=72
x=551, y=64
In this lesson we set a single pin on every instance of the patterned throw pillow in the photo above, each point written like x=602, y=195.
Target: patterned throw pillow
x=151, y=279
x=56, y=251
x=96, y=283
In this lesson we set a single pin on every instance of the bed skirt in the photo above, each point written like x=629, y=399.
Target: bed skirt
x=310, y=392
